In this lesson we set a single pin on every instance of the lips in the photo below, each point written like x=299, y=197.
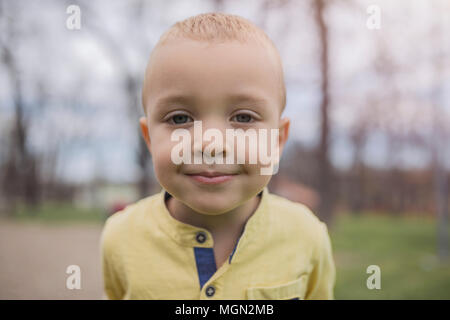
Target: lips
x=211, y=177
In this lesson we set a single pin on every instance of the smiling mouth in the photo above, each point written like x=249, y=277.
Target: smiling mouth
x=211, y=177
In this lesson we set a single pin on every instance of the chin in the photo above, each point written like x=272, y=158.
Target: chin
x=211, y=210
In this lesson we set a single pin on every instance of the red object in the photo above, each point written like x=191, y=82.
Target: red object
x=118, y=206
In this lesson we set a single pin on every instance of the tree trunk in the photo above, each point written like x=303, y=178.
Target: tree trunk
x=325, y=175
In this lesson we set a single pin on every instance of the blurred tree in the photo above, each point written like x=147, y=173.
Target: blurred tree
x=326, y=177
x=135, y=12
x=20, y=180
x=439, y=143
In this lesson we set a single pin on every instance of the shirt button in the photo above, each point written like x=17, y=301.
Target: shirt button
x=210, y=291
x=200, y=237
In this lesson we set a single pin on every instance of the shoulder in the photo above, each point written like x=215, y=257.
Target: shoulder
x=120, y=225
x=295, y=219
x=292, y=212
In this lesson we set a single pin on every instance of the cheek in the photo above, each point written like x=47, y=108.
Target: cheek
x=262, y=153
x=165, y=171
x=254, y=182
x=161, y=156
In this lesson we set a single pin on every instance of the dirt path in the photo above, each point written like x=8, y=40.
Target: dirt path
x=34, y=259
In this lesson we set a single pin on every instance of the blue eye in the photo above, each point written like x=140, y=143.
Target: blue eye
x=243, y=117
x=180, y=119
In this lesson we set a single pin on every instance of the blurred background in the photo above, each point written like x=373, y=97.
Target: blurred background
x=368, y=95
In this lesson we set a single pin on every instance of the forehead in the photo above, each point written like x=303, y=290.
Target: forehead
x=207, y=72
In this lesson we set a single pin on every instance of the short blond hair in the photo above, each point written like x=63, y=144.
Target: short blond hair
x=220, y=27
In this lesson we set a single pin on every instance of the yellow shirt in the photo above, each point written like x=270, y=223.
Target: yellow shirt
x=284, y=252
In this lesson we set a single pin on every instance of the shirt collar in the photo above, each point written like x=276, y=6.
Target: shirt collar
x=187, y=235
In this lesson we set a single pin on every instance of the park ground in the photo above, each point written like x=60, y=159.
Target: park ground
x=36, y=249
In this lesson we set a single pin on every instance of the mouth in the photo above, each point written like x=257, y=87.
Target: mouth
x=211, y=177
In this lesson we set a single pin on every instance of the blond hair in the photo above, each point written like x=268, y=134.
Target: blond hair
x=220, y=27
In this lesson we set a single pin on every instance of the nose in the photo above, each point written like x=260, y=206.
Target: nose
x=209, y=139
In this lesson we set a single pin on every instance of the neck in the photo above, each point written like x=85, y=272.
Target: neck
x=231, y=221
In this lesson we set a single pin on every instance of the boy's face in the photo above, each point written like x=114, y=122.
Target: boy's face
x=229, y=85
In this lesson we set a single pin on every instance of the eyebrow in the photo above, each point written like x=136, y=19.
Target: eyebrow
x=188, y=99
x=177, y=98
x=246, y=98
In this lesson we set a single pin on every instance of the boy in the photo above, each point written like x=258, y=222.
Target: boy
x=214, y=231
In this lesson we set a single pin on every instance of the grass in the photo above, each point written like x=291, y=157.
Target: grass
x=57, y=213
x=404, y=249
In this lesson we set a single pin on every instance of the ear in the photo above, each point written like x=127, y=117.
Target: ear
x=144, y=130
x=283, y=134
